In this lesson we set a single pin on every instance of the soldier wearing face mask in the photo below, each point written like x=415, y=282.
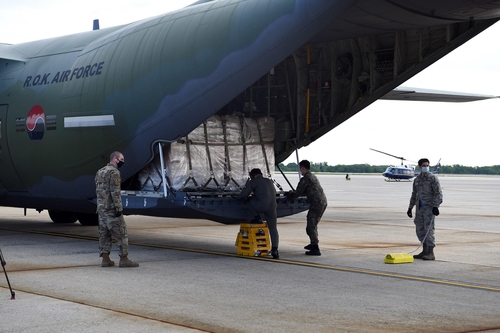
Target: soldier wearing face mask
x=109, y=208
x=427, y=196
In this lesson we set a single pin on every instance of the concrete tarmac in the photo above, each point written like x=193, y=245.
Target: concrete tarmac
x=191, y=280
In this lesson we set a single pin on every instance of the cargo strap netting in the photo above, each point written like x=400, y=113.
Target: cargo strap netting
x=216, y=156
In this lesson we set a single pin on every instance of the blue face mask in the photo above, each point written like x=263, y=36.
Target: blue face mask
x=425, y=169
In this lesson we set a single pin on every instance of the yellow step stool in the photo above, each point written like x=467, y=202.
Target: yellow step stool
x=253, y=240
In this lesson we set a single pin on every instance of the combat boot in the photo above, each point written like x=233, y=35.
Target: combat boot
x=126, y=262
x=314, y=251
x=421, y=254
x=275, y=253
x=106, y=262
x=309, y=247
x=430, y=254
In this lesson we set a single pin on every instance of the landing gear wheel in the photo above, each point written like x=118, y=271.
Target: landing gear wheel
x=88, y=219
x=58, y=216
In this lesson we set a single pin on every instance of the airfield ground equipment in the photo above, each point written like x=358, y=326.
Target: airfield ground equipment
x=398, y=258
x=253, y=240
x=2, y=261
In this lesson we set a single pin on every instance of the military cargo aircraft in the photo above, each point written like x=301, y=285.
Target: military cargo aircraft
x=197, y=97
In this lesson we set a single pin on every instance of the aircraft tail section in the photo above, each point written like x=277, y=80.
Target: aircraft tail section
x=436, y=167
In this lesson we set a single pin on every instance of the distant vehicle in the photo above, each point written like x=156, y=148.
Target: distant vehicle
x=403, y=171
x=398, y=173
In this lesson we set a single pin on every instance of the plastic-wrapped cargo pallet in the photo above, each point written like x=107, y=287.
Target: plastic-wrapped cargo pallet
x=216, y=156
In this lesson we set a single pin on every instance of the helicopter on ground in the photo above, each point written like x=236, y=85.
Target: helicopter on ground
x=404, y=171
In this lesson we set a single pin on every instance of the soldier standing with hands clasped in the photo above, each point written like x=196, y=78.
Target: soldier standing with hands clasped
x=427, y=196
x=110, y=211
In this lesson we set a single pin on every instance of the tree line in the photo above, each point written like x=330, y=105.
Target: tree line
x=367, y=168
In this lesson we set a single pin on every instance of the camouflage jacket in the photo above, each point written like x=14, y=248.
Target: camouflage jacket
x=309, y=185
x=107, y=189
x=427, y=190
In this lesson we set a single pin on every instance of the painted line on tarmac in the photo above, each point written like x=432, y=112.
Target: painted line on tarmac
x=124, y=312
x=393, y=275
x=281, y=261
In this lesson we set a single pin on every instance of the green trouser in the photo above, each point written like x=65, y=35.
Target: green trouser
x=424, y=219
x=313, y=217
x=111, y=227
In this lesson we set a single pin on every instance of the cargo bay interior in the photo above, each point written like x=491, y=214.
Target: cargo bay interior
x=312, y=91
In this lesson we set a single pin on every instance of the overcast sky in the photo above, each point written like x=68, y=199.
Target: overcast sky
x=463, y=133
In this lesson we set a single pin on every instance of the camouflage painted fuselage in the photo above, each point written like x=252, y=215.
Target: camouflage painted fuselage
x=66, y=103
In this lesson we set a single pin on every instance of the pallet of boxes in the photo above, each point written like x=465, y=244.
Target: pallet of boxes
x=216, y=157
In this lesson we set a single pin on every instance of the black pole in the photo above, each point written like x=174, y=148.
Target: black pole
x=285, y=177
x=2, y=260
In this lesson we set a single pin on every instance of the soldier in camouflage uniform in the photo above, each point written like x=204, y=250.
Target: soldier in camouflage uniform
x=109, y=208
x=427, y=196
x=309, y=185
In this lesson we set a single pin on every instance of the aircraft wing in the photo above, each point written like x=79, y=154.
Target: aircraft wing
x=9, y=53
x=430, y=95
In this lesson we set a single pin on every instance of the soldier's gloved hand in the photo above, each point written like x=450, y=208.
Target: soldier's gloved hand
x=410, y=215
x=118, y=213
x=289, y=195
x=435, y=211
